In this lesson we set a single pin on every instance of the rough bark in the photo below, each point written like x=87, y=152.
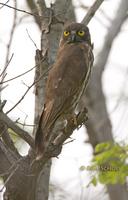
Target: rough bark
x=49, y=45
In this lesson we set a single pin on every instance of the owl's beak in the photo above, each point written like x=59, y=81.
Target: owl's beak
x=72, y=38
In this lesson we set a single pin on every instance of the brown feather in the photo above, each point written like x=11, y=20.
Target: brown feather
x=66, y=82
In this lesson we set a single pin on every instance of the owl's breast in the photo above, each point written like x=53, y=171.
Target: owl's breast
x=68, y=77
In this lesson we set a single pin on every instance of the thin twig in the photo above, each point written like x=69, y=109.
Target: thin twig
x=72, y=140
x=18, y=76
x=91, y=12
x=31, y=39
x=3, y=72
x=17, y=9
x=29, y=87
x=4, y=4
x=25, y=121
x=29, y=125
x=2, y=88
x=21, y=98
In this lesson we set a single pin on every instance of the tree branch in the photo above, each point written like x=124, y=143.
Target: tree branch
x=4, y=4
x=10, y=124
x=22, y=74
x=6, y=138
x=3, y=74
x=29, y=87
x=4, y=70
x=91, y=12
x=17, y=9
x=23, y=96
x=55, y=144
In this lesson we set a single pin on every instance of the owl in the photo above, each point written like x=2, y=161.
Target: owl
x=66, y=81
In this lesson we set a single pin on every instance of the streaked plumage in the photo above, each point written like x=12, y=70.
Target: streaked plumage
x=67, y=80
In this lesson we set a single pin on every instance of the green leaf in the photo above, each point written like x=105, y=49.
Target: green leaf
x=102, y=146
x=94, y=181
x=111, y=162
x=82, y=168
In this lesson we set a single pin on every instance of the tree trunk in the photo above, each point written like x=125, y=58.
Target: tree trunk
x=49, y=45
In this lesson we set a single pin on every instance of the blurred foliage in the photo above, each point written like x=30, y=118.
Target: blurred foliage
x=109, y=164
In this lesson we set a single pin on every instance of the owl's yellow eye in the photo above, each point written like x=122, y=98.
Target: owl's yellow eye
x=81, y=33
x=66, y=33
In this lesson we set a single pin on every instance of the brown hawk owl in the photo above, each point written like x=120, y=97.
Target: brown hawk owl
x=66, y=81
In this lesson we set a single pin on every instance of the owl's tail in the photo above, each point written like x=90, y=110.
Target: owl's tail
x=42, y=134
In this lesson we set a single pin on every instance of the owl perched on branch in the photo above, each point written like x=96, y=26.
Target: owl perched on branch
x=66, y=81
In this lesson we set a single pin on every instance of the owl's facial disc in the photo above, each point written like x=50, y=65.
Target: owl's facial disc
x=75, y=36
x=72, y=37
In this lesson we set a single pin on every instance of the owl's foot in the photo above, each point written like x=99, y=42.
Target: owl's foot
x=75, y=117
x=81, y=116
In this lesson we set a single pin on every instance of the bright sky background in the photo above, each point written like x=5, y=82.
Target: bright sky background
x=65, y=171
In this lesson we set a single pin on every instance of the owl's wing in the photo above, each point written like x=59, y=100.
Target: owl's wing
x=65, y=80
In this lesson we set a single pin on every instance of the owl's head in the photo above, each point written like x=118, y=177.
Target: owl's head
x=74, y=33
